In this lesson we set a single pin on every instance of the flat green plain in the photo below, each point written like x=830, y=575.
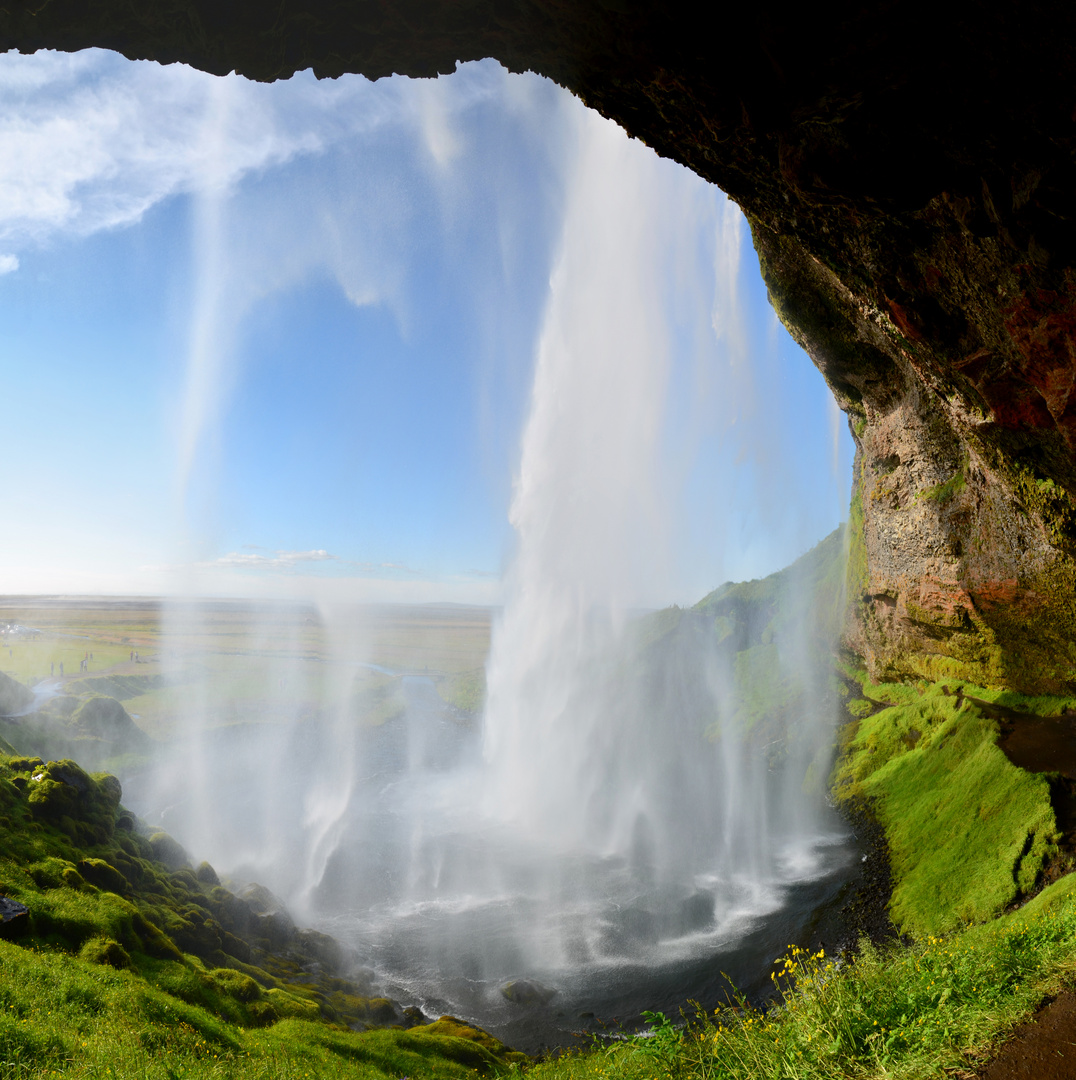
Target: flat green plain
x=243, y=661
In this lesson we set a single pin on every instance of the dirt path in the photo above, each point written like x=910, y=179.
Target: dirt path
x=1042, y=1049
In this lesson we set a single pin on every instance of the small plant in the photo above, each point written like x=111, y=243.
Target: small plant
x=662, y=1045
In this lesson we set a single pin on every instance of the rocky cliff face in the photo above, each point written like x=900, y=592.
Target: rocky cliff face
x=910, y=179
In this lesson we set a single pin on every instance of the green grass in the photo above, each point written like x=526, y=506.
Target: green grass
x=28, y=660
x=465, y=691
x=968, y=832
x=132, y=966
x=760, y=626
x=60, y=1015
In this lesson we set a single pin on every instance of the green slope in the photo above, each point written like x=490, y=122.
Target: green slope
x=129, y=963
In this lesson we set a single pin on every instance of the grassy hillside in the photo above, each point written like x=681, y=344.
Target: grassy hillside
x=969, y=833
x=122, y=960
x=768, y=644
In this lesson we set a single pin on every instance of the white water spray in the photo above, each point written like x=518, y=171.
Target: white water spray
x=614, y=814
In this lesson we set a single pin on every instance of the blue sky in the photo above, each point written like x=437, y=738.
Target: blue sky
x=282, y=340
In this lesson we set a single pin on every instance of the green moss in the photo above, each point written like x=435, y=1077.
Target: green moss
x=968, y=831
x=102, y=950
x=457, y=1029
x=859, y=707
x=99, y=979
x=942, y=493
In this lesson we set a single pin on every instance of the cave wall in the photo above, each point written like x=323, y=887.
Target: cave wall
x=910, y=180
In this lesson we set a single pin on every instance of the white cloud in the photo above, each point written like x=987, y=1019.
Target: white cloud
x=92, y=141
x=257, y=560
x=278, y=561
x=8, y=264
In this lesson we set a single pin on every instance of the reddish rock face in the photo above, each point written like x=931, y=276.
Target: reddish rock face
x=910, y=177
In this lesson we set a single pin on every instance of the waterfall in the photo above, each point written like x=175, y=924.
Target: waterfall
x=616, y=817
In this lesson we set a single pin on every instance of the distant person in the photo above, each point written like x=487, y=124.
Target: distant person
x=132, y=655
x=52, y=668
x=61, y=669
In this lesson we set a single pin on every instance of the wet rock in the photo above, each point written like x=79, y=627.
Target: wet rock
x=696, y=913
x=206, y=874
x=168, y=851
x=526, y=992
x=326, y=952
x=274, y=924
x=413, y=1016
x=14, y=918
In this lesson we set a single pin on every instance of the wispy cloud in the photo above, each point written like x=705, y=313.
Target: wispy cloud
x=8, y=264
x=256, y=560
x=278, y=562
x=91, y=141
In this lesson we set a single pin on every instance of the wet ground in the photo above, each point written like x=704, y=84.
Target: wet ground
x=1042, y=1049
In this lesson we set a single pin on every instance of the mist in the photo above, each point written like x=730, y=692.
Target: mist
x=606, y=805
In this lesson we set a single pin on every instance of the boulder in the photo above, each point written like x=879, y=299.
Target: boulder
x=526, y=992
x=168, y=851
x=14, y=918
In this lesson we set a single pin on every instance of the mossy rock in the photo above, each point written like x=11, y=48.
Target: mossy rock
x=101, y=950
x=236, y=984
x=288, y=1004
x=50, y=873
x=106, y=897
x=103, y=875
x=206, y=874
x=168, y=851
x=63, y=793
x=24, y=764
x=51, y=799
x=457, y=1029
